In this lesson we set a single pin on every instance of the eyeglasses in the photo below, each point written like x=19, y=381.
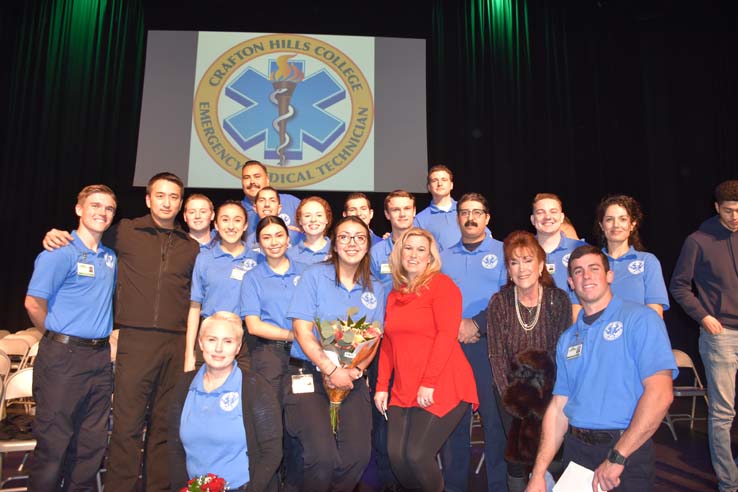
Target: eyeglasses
x=344, y=239
x=477, y=213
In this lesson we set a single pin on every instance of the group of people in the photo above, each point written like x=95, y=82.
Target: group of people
x=549, y=339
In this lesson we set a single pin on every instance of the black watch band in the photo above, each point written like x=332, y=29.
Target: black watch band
x=615, y=457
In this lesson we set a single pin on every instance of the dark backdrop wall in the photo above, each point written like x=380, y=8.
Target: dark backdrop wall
x=581, y=98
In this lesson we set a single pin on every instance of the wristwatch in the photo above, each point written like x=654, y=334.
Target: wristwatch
x=615, y=457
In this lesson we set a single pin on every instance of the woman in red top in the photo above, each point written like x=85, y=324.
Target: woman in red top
x=433, y=382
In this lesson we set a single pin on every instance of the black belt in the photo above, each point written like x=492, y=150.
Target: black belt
x=302, y=364
x=78, y=341
x=277, y=343
x=591, y=436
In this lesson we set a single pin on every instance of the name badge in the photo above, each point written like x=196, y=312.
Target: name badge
x=385, y=269
x=85, y=270
x=551, y=267
x=237, y=274
x=574, y=351
x=302, y=383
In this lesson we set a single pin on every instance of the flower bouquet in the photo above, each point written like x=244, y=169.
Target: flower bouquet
x=205, y=483
x=347, y=344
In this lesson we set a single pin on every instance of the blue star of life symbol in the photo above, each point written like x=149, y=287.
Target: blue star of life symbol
x=311, y=124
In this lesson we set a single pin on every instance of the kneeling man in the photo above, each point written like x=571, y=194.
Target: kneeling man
x=614, y=371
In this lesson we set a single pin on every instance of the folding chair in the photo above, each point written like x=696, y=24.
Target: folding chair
x=19, y=386
x=694, y=391
x=16, y=349
x=31, y=356
x=34, y=332
x=4, y=366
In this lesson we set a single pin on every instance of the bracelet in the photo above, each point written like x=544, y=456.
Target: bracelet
x=334, y=370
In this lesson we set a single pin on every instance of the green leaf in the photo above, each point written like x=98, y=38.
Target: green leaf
x=348, y=337
x=326, y=330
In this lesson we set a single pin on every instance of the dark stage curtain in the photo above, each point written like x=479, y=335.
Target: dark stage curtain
x=73, y=79
x=586, y=98
x=580, y=98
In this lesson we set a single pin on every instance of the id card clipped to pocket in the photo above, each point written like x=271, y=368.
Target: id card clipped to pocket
x=302, y=383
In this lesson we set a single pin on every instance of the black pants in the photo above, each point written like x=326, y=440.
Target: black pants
x=331, y=463
x=414, y=437
x=271, y=361
x=72, y=387
x=638, y=474
x=148, y=365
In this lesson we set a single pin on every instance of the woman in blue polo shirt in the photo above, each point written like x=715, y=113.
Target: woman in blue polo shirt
x=638, y=275
x=314, y=216
x=265, y=296
x=217, y=276
x=224, y=420
x=326, y=290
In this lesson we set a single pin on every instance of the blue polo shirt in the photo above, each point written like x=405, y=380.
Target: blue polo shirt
x=479, y=274
x=557, y=263
x=380, y=254
x=441, y=223
x=375, y=238
x=209, y=244
x=212, y=431
x=638, y=278
x=267, y=294
x=318, y=296
x=217, y=277
x=78, y=285
x=289, y=207
x=624, y=346
x=303, y=254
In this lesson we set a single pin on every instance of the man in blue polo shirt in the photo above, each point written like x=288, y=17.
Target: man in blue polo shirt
x=268, y=203
x=399, y=208
x=70, y=295
x=199, y=214
x=439, y=218
x=547, y=217
x=477, y=266
x=614, y=371
x=358, y=204
x=254, y=176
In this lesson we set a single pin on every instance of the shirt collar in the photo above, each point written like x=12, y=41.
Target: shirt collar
x=435, y=210
x=218, y=252
x=630, y=254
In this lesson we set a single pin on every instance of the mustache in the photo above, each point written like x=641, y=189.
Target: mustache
x=471, y=223
x=253, y=186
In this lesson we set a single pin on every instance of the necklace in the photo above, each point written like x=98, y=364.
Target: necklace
x=534, y=321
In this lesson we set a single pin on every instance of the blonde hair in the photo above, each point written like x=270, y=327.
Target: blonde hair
x=400, y=280
x=225, y=317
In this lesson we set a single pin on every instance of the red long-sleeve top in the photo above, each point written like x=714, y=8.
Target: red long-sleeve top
x=420, y=346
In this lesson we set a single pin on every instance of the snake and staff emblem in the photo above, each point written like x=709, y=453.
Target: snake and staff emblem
x=284, y=80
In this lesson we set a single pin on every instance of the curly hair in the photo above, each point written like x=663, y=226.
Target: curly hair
x=635, y=213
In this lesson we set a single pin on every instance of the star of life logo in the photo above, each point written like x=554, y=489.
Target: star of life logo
x=613, y=331
x=489, y=261
x=635, y=267
x=109, y=260
x=298, y=104
x=229, y=401
x=369, y=300
x=249, y=264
